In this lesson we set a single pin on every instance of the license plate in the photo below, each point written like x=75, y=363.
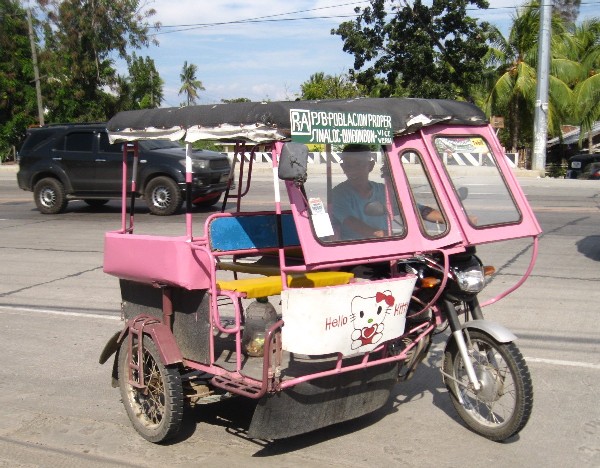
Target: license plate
x=576, y=164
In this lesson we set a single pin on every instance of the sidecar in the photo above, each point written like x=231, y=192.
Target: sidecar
x=270, y=301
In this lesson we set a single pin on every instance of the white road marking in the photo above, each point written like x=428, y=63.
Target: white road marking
x=14, y=309
x=559, y=362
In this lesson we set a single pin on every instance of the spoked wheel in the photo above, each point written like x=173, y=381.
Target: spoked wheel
x=503, y=404
x=155, y=411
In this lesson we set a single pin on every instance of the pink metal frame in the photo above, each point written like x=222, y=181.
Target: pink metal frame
x=317, y=255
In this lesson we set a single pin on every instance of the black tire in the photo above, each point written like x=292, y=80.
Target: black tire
x=208, y=203
x=156, y=413
x=95, y=203
x=49, y=195
x=163, y=196
x=502, y=407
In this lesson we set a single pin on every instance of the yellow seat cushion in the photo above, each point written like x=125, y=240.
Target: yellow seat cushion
x=271, y=285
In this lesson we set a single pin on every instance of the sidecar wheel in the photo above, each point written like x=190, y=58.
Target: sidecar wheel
x=501, y=408
x=156, y=412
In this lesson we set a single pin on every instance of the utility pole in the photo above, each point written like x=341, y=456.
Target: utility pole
x=540, y=124
x=152, y=88
x=36, y=72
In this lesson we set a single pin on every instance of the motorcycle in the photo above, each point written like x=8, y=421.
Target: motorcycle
x=486, y=376
x=270, y=305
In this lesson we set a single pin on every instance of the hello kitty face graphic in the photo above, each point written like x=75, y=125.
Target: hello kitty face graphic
x=367, y=315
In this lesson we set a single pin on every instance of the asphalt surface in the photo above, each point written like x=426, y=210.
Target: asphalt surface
x=57, y=309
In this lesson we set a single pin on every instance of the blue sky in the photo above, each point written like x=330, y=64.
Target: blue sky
x=265, y=59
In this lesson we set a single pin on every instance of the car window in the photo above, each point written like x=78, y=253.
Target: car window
x=77, y=141
x=106, y=147
x=35, y=138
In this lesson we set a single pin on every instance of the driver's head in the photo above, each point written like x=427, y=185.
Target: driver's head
x=357, y=160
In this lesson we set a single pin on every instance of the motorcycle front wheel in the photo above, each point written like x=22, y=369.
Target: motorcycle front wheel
x=503, y=404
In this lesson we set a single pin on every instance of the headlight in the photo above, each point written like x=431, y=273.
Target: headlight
x=197, y=164
x=200, y=164
x=471, y=280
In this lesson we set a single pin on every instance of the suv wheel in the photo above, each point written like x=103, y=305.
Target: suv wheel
x=49, y=196
x=163, y=196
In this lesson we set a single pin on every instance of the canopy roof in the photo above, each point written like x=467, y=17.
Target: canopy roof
x=270, y=121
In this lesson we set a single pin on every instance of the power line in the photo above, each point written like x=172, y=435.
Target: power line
x=227, y=23
x=271, y=16
x=275, y=17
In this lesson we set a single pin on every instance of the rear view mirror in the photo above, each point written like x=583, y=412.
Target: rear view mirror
x=463, y=193
x=292, y=162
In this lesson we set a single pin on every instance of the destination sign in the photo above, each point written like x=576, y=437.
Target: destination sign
x=340, y=128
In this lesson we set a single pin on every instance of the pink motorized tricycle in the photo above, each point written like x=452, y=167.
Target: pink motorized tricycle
x=318, y=303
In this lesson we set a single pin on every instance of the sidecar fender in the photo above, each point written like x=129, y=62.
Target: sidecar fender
x=110, y=347
x=160, y=334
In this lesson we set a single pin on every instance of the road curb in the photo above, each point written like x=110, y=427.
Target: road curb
x=265, y=167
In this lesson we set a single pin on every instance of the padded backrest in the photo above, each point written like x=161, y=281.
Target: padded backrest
x=248, y=232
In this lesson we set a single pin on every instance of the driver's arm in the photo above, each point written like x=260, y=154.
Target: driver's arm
x=431, y=214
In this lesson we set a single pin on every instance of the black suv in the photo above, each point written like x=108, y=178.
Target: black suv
x=579, y=166
x=76, y=161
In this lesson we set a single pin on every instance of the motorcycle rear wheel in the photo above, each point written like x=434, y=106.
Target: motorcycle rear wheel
x=155, y=411
x=503, y=405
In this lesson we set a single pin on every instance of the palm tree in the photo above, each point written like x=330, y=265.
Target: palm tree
x=189, y=84
x=514, y=60
x=584, y=52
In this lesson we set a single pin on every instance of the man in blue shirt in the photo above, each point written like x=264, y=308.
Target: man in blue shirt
x=359, y=204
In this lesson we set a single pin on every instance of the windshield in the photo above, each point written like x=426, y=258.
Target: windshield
x=150, y=145
x=357, y=202
x=473, y=171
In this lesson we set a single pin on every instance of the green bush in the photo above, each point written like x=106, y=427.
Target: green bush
x=556, y=170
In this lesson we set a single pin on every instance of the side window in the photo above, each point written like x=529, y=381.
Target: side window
x=358, y=202
x=79, y=141
x=472, y=168
x=106, y=147
x=35, y=138
x=433, y=220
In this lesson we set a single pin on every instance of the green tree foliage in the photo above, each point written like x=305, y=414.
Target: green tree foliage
x=146, y=84
x=581, y=53
x=322, y=86
x=190, y=85
x=81, y=39
x=430, y=51
x=17, y=92
x=240, y=99
x=573, y=90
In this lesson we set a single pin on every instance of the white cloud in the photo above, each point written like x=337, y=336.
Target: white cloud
x=258, y=59
x=254, y=60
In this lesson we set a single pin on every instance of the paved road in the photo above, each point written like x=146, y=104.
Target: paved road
x=57, y=308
